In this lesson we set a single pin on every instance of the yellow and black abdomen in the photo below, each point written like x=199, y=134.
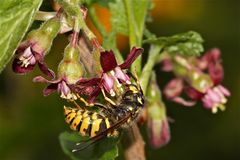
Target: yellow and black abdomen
x=87, y=123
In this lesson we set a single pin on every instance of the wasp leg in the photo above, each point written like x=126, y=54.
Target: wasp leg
x=103, y=107
x=106, y=98
x=84, y=101
x=78, y=105
x=134, y=76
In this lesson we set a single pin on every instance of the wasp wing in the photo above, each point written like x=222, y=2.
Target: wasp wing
x=85, y=144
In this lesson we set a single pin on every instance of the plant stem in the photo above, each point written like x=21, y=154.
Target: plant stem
x=133, y=38
x=44, y=16
x=147, y=70
x=133, y=144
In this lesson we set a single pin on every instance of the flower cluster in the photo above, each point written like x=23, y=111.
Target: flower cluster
x=112, y=76
x=200, y=78
x=88, y=75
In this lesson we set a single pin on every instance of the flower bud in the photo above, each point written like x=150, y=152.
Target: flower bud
x=158, y=127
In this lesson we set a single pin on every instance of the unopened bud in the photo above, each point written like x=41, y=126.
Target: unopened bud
x=158, y=127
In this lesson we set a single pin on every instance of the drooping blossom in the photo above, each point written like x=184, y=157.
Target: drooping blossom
x=157, y=121
x=28, y=55
x=70, y=71
x=200, y=78
x=113, y=74
x=112, y=77
x=33, y=50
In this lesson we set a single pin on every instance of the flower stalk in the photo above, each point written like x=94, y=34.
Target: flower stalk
x=148, y=67
x=44, y=16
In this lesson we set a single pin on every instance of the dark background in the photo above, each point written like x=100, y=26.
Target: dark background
x=30, y=123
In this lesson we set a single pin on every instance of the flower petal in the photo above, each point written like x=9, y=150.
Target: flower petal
x=18, y=68
x=44, y=80
x=159, y=132
x=123, y=77
x=94, y=95
x=193, y=93
x=174, y=88
x=50, y=89
x=21, y=48
x=88, y=82
x=43, y=67
x=86, y=86
x=214, y=55
x=183, y=102
x=108, y=82
x=216, y=72
x=135, y=52
x=224, y=90
x=167, y=65
x=108, y=61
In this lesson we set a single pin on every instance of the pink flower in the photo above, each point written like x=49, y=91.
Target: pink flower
x=33, y=50
x=195, y=81
x=59, y=85
x=159, y=132
x=112, y=78
x=216, y=98
x=113, y=74
x=29, y=53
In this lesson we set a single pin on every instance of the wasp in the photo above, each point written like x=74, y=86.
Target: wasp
x=113, y=115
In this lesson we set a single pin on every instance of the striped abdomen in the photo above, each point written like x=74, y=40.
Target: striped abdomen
x=87, y=123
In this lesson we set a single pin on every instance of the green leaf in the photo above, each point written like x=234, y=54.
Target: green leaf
x=189, y=43
x=105, y=149
x=103, y=3
x=119, y=20
x=129, y=16
x=15, y=19
x=140, y=8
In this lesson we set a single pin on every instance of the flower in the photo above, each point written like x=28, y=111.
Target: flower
x=113, y=75
x=157, y=122
x=29, y=53
x=33, y=50
x=211, y=61
x=60, y=85
x=216, y=98
x=159, y=132
x=70, y=71
x=200, y=78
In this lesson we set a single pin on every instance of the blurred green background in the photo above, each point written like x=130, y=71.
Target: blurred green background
x=30, y=123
